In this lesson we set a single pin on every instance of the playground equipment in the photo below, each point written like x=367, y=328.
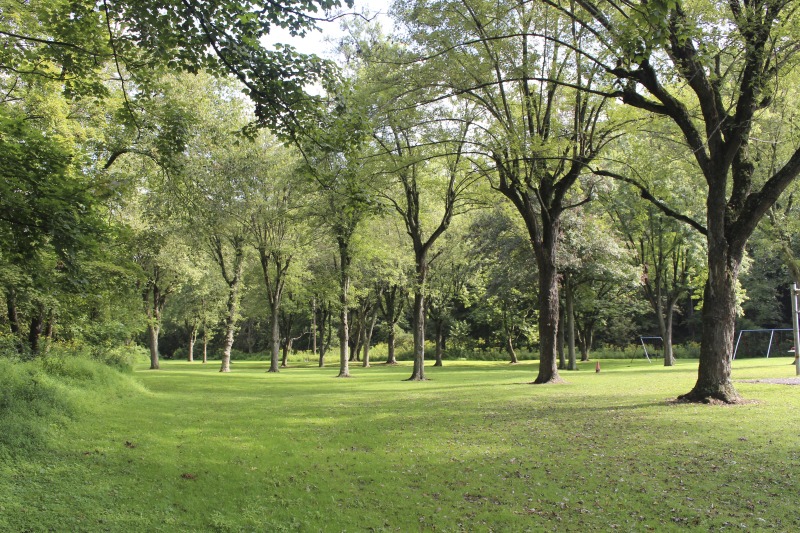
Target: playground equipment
x=642, y=340
x=771, y=338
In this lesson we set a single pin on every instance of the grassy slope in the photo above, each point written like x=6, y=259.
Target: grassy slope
x=474, y=448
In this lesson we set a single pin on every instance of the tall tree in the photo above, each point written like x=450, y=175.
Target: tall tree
x=519, y=66
x=711, y=74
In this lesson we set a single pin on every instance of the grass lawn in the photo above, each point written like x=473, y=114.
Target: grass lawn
x=475, y=448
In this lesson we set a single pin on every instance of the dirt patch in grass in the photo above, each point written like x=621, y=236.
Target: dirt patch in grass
x=774, y=381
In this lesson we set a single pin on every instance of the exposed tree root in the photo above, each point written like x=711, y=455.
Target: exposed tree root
x=724, y=394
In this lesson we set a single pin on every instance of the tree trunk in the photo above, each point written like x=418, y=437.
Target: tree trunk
x=275, y=338
x=344, y=342
x=192, y=340
x=510, y=349
x=287, y=347
x=314, y=329
x=548, y=313
x=324, y=318
x=233, y=304
x=418, y=326
x=390, y=358
x=439, y=342
x=718, y=319
x=344, y=303
x=368, y=335
x=586, y=345
x=205, y=345
x=230, y=328
x=418, y=321
x=669, y=355
x=570, y=312
x=13, y=315
x=152, y=331
x=35, y=331
x=562, y=359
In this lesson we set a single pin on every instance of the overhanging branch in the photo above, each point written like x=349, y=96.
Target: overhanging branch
x=664, y=208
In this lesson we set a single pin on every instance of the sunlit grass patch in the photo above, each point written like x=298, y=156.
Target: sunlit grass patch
x=474, y=448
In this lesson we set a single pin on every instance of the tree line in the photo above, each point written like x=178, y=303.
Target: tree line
x=522, y=171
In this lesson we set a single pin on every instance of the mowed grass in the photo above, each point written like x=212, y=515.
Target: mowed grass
x=475, y=448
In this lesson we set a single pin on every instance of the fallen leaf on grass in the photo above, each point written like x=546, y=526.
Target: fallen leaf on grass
x=188, y=476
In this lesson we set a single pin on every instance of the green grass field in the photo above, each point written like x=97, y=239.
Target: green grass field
x=475, y=448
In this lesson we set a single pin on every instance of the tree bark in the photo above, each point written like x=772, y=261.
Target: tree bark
x=314, y=329
x=718, y=319
x=548, y=309
x=233, y=280
x=418, y=321
x=510, y=349
x=13, y=314
x=152, y=332
x=368, y=334
x=275, y=337
x=230, y=327
x=390, y=342
x=205, y=345
x=439, y=342
x=35, y=331
x=561, y=341
x=344, y=303
x=669, y=355
x=192, y=340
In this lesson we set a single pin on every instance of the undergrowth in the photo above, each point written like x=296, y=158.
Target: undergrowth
x=41, y=394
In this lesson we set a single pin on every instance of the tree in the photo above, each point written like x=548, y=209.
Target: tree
x=509, y=276
x=542, y=120
x=598, y=277
x=415, y=171
x=333, y=157
x=712, y=74
x=668, y=257
x=73, y=41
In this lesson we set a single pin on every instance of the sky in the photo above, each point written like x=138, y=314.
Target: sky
x=314, y=42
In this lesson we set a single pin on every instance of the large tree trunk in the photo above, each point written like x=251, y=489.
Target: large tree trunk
x=233, y=304
x=719, y=319
x=344, y=343
x=548, y=309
